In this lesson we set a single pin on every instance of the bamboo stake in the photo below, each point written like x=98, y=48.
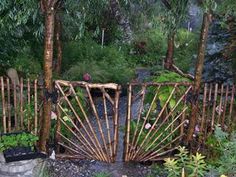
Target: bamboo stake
x=96, y=143
x=225, y=107
x=144, y=123
x=220, y=105
x=9, y=105
x=98, y=120
x=154, y=124
x=70, y=149
x=35, y=107
x=116, y=121
x=208, y=118
x=107, y=124
x=3, y=107
x=203, y=120
x=127, y=136
x=231, y=106
x=28, y=99
x=214, y=108
x=15, y=106
x=21, y=104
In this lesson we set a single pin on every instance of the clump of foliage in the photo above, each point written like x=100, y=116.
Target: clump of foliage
x=27, y=66
x=149, y=48
x=191, y=165
x=106, y=64
x=101, y=174
x=186, y=43
x=222, y=148
x=17, y=140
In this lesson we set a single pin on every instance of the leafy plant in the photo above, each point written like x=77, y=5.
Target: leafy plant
x=17, y=140
x=193, y=165
x=102, y=174
x=222, y=147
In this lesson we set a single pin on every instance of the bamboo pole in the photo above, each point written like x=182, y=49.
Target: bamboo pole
x=220, y=105
x=15, y=106
x=3, y=107
x=107, y=125
x=231, y=107
x=35, y=107
x=9, y=105
x=127, y=136
x=21, y=104
x=116, y=121
x=223, y=122
x=214, y=108
x=203, y=119
x=28, y=102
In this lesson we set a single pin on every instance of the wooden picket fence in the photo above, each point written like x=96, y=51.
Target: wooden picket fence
x=20, y=105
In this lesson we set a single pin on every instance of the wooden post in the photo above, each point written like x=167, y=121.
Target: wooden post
x=198, y=74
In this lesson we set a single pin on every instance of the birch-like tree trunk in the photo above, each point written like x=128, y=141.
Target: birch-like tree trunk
x=58, y=45
x=198, y=73
x=168, y=62
x=49, y=12
x=122, y=20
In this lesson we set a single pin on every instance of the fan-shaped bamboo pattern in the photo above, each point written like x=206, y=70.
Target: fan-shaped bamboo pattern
x=94, y=135
x=156, y=127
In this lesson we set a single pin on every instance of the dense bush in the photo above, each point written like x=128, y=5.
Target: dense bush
x=107, y=64
x=185, y=48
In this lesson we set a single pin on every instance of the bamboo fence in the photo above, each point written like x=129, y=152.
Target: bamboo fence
x=20, y=105
x=93, y=135
x=154, y=128
x=151, y=140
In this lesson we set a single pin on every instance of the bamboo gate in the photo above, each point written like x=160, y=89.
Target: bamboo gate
x=87, y=125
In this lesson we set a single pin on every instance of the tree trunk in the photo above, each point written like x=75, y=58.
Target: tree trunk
x=198, y=74
x=48, y=57
x=122, y=20
x=168, y=63
x=58, y=43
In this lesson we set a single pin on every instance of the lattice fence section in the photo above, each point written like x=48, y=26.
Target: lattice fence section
x=88, y=119
x=156, y=118
x=20, y=105
x=216, y=107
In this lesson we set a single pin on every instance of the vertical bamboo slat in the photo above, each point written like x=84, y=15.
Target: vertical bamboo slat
x=223, y=122
x=214, y=107
x=203, y=119
x=15, y=106
x=3, y=107
x=28, y=102
x=35, y=106
x=220, y=110
x=21, y=103
x=9, y=104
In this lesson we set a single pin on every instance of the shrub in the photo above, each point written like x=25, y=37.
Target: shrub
x=106, y=64
x=185, y=47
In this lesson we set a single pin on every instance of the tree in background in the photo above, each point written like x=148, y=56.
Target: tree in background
x=208, y=7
